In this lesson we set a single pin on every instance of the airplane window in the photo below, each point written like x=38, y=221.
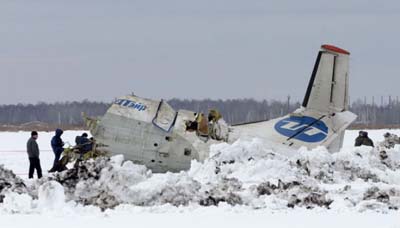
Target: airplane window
x=187, y=152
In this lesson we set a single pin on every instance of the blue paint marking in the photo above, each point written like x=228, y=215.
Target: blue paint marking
x=293, y=125
x=131, y=104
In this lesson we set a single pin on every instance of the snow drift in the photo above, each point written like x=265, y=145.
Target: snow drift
x=248, y=172
x=9, y=182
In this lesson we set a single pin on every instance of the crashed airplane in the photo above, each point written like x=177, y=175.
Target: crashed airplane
x=152, y=133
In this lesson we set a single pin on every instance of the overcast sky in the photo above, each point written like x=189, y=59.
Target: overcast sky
x=98, y=50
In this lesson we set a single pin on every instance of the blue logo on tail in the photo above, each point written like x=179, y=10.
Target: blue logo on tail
x=304, y=128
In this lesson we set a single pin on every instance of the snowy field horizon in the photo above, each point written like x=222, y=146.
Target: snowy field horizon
x=246, y=183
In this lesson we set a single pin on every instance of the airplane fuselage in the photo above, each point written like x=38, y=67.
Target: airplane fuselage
x=152, y=133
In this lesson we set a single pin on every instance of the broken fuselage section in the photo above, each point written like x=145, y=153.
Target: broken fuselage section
x=151, y=133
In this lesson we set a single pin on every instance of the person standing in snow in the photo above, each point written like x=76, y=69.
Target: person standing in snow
x=363, y=139
x=218, y=129
x=58, y=147
x=33, y=154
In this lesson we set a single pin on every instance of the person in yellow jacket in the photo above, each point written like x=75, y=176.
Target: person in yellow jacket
x=202, y=125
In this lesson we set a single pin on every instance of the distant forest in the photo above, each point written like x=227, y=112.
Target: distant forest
x=234, y=111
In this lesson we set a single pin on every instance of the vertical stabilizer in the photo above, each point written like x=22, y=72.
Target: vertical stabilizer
x=327, y=91
x=328, y=88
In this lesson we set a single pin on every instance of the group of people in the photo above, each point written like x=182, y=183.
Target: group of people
x=390, y=140
x=82, y=142
x=213, y=127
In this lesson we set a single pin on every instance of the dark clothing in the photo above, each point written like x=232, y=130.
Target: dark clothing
x=57, y=143
x=364, y=141
x=84, y=144
x=34, y=163
x=57, y=157
x=78, y=140
x=369, y=142
x=359, y=141
x=32, y=148
x=58, y=146
x=87, y=145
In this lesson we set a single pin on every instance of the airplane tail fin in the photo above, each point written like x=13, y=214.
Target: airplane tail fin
x=327, y=90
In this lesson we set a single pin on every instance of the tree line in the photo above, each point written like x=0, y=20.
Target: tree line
x=234, y=111
x=60, y=113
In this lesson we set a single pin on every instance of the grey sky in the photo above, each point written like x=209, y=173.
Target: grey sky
x=73, y=50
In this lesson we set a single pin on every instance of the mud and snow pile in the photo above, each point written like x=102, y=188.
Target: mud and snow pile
x=246, y=173
x=9, y=182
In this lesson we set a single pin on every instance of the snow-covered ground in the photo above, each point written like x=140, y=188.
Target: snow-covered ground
x=242, y=179
x=204, y=218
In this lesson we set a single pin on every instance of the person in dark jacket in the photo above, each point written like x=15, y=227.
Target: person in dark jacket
x=363, y=139
x=33, y=154
x=58, y=147
x=83, y=143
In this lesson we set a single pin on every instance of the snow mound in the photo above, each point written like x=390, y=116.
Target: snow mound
x=17, y=203
x=9, y=182
x=51, y=196
x=103, y=182
x=246, y=173
x=250, y=173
